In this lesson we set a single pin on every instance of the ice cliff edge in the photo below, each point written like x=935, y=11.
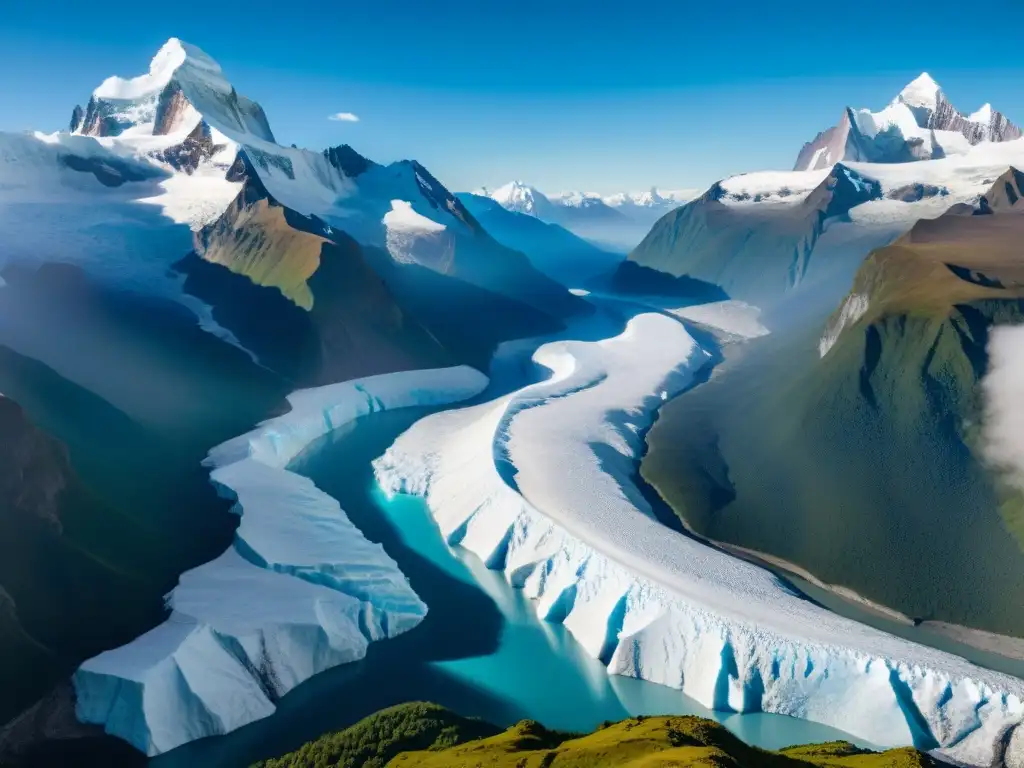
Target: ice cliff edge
x=539, y=484
x=299, y=591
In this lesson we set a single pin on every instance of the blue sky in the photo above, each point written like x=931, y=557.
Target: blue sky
x=565, y=95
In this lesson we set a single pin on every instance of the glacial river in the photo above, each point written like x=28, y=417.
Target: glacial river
x=481, y=650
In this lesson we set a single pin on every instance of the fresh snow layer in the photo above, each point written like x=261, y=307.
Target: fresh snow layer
x=961, y=177
x=539, y=485
x=300, y=590
x=402, y=217
x=983, y=115
x=161, y=70
x=922, y=91
x=733, y=318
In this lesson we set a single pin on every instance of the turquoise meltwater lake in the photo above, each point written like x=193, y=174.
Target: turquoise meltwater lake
x=481, y=651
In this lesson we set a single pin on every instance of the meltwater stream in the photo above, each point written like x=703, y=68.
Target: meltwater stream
x=481, y=650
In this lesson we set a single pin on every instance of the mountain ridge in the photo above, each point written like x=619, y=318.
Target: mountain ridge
x=919, y=123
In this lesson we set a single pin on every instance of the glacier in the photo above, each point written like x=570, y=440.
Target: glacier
x=299, y=591
x=539, y=484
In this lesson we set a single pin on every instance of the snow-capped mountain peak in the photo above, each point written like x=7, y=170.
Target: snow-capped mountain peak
x=922, y=91
x=651, y=198
x=183, y=87
x=161, y=69
x=983, y=115
x=919, y=124
x=576, y=199
x=522, y=198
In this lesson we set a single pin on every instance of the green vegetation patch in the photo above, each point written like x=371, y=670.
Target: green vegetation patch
x=373, y=741
x=428, y=736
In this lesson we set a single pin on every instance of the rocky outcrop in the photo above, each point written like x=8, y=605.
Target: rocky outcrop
x=196, y=147
x=348, y=161
x=77, y=116
x=172, y=109
x=827, y=148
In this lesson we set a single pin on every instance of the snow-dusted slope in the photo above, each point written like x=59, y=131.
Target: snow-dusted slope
x=919, y=124
x=119, y=216
x=770, y=236
x=522, y=198
x=538, y=484
x=300, y=590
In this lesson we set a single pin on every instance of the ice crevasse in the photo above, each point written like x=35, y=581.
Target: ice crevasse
x=299, y=591
x=539, y=485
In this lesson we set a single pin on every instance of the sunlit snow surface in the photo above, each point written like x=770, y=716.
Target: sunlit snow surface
x=538, y=484
x=300, y=591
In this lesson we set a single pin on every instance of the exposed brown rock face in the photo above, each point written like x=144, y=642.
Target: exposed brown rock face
x=196, y=147
x=946, y=117
x=172, y=108
x=95, y=123
x=825, y=149
x=252, y=238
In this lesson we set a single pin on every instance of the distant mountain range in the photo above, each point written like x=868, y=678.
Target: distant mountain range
x=617, y=221
x=919, y=124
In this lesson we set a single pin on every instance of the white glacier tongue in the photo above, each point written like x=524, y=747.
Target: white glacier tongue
x=300, y=590
x=539, y=484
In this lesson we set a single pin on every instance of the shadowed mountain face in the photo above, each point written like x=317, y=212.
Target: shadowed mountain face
x=316, y=306
x=756, y=251
x=36, y=485
x=258, y=267
x=552, y=249
x=101, y=518
x=860, y=460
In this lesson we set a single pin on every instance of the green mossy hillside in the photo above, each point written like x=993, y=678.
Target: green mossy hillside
x=433, y=737
x=374, y=740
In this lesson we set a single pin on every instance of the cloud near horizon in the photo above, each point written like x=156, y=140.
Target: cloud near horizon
x=344, y=117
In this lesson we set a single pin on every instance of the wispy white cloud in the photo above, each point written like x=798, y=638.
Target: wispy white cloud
x=1003, y=387
x=344, y=117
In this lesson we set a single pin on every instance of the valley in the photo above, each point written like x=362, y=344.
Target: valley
x=293, y=436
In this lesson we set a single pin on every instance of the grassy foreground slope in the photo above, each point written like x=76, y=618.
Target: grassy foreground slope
x=419, y=735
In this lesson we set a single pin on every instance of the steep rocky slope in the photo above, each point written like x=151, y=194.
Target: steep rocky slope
x=777, y=452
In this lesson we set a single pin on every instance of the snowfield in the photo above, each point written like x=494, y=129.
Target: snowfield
x=539, y=485
x=300, y=590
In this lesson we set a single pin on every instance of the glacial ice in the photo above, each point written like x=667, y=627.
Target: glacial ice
x=300, y=590
x=539, y=485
